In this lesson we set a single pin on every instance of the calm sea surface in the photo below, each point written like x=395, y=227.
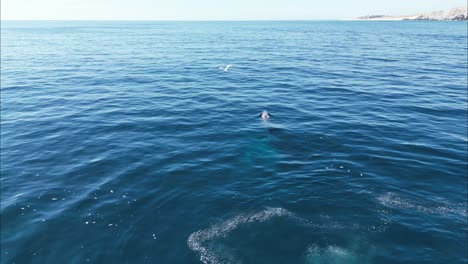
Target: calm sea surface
x=124, y=142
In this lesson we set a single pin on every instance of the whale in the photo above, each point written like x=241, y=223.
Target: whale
x=265, y=115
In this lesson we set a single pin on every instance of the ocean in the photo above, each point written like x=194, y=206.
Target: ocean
x=127, y=142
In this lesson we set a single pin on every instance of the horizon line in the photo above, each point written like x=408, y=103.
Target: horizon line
x=199, y=20
x=183, y=20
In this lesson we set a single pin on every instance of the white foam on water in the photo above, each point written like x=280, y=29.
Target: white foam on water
x=329, y=254
x=392, y=200
x=196, y=239
x=334, y=250
x=313, y=250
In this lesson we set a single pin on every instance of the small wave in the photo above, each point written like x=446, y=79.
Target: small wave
x=392, y=200
x=196, y=239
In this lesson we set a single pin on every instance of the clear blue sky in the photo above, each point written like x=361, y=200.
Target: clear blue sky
x=214, y=9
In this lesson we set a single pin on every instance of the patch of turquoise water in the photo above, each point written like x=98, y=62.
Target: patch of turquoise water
x=259, y=152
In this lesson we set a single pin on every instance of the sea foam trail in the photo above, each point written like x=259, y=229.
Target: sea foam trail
x=196, y=239
x=392, y=200
x=330, y=254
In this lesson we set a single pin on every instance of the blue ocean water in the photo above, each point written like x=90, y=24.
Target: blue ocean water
x=124, y=142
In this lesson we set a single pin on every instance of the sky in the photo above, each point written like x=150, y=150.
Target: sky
x=214, y=9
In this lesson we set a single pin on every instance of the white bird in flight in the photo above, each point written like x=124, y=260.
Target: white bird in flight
x=226, y=68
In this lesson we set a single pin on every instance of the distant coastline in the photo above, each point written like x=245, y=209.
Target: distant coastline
x=454, y=14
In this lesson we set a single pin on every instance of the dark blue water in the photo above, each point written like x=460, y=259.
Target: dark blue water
x=123, y=142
